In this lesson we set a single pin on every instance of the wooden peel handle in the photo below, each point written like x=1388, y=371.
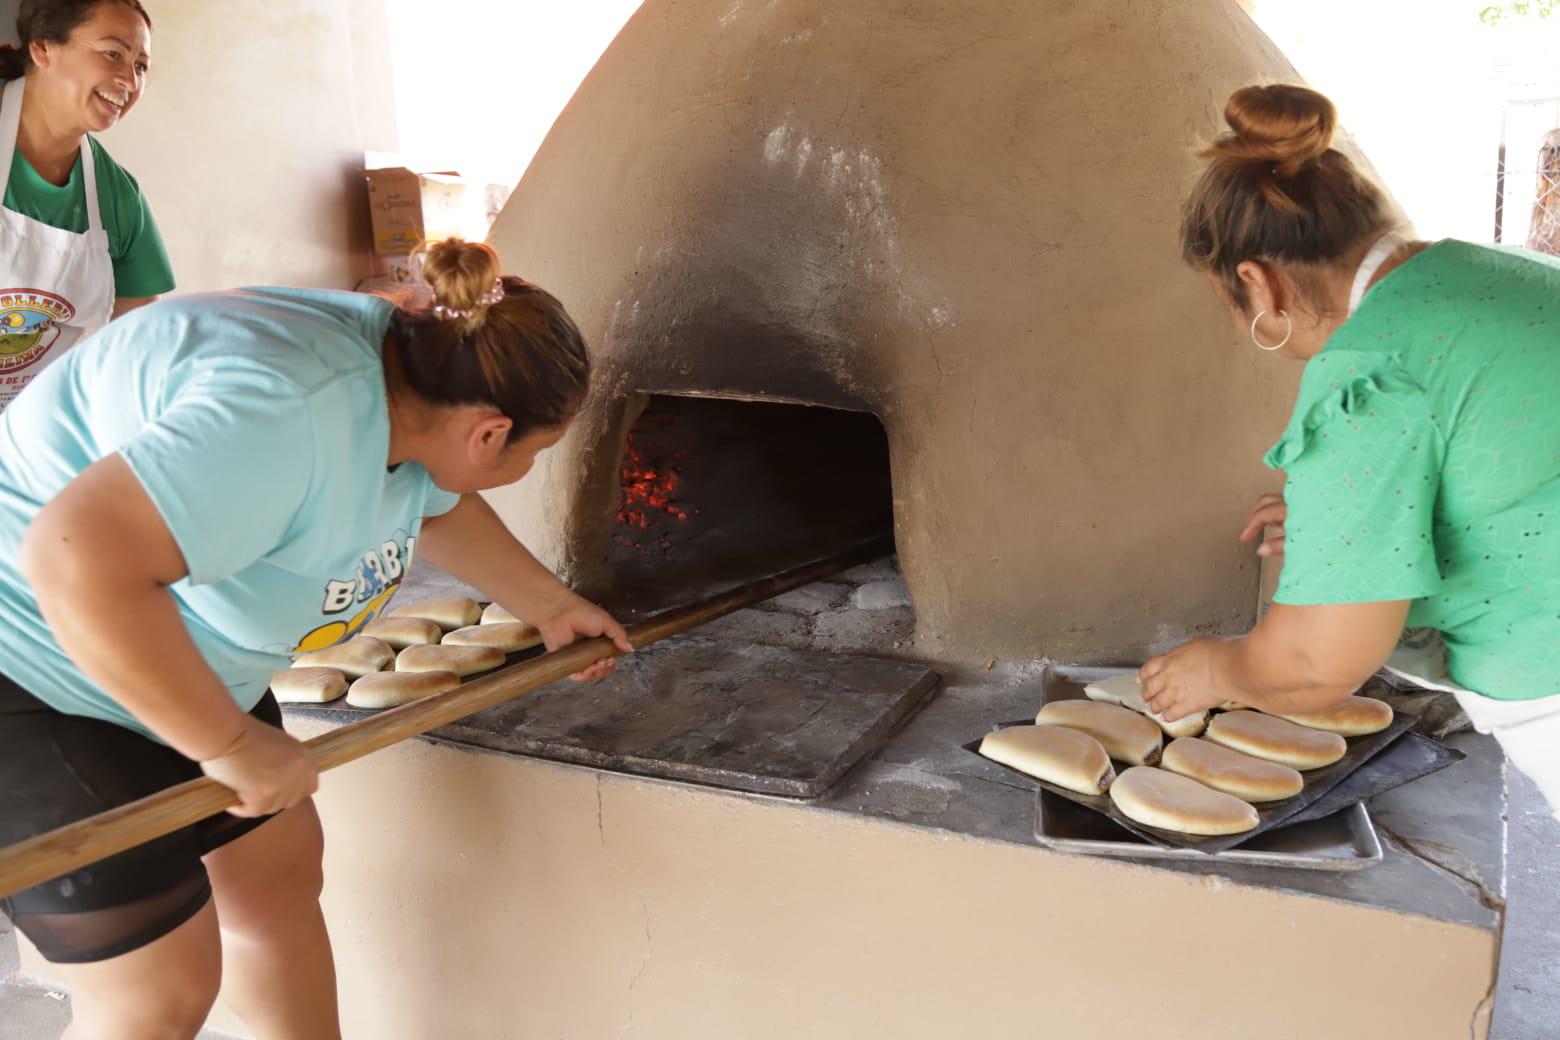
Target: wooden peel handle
x=84, y=842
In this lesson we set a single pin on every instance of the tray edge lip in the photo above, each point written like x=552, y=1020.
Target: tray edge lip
x=1361, y=828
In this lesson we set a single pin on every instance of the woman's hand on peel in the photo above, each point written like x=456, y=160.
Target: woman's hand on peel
x=1268, y=514
x=571, y=617
x=267, y=769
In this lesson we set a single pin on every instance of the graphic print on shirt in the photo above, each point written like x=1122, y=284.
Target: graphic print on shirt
x=364, y=594
x=30, y=321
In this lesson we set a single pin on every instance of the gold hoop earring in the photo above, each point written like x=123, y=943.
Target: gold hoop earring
x=1287, y=333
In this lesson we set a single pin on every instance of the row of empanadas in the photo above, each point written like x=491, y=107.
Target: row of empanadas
x=431, y=645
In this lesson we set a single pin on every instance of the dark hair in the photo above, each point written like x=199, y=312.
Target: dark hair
x=1275, y=189
x=520, y=353
x=51, y=21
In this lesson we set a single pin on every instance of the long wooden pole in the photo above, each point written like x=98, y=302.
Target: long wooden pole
x=78, y=844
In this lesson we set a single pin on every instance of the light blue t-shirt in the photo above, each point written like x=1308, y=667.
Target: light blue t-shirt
x=257, y=423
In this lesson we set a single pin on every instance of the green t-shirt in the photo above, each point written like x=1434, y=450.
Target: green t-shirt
x=1422, y=462
x=141, y=266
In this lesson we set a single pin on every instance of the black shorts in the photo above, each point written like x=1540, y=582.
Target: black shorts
x=56, y=769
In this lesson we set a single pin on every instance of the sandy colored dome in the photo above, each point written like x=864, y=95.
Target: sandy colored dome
x=960, y=217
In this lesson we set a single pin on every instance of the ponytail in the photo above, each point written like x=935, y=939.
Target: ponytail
x=491, y=339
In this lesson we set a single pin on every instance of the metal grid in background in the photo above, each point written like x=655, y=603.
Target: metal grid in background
x=1527, y=175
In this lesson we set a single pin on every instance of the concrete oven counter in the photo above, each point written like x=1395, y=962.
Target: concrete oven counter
x=480, y=895
x=491, y=895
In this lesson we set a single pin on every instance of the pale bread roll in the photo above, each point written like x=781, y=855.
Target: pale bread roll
x=1156, y=798
x=392, y=689
x=1126, y=691
x=1245, y=777
x=357, y=656
x=1276, y=740
x=1350, y=717
x=308, y=685
x=1055, y=754
x=493, y=614
x=402, y=632
x=462, y=660
x=1126, y=735
x=449, y=613
x=507, y=636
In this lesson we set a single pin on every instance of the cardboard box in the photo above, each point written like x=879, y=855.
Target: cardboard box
x=408, y=207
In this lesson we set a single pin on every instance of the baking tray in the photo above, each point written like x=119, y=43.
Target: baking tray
x=1270, y=815
x=1066, y=683
x=1407, y=758
x=1344, y=840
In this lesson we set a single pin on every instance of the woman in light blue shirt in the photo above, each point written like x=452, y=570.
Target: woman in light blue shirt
x=208, y=486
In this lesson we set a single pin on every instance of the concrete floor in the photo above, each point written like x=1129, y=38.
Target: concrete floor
x=1526, y=997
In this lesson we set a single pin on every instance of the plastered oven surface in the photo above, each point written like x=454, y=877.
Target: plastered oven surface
x=960, y=217
x=480, y=896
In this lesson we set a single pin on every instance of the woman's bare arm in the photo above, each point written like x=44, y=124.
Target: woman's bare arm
x=100, y=559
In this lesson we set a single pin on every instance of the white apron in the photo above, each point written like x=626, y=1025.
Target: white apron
x=56, y=286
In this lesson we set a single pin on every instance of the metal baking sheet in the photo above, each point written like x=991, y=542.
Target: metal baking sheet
x=1344, y=840
x=1407, y=758
x=1066, y=683
x=1070, y=822
x=1097, y=827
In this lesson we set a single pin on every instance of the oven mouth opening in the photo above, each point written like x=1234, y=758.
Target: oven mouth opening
x=714, y=492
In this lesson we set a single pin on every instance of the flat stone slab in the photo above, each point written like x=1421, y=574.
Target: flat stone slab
x=751, y=718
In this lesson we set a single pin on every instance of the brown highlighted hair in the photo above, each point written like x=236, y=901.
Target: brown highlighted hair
x=51, y=21
x=521, y=353
x=1276, y=190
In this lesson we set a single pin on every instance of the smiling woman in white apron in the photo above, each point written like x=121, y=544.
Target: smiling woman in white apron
x=78, y=245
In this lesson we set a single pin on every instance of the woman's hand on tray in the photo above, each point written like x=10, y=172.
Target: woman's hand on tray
x=1184, y=681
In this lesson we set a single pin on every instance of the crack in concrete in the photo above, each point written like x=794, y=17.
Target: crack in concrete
x=644, y=909
x=1424, y=850
x=601, y=826
x=1482, y=1014
x=1421, y=849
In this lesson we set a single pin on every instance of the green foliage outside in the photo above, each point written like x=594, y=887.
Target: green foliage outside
x=1494, y=14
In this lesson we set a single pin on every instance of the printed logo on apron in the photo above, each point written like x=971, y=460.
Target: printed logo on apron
x=56, y=286
x=30, y=321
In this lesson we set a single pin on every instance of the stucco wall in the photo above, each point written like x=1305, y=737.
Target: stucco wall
x=961, y=217
x=248, y=141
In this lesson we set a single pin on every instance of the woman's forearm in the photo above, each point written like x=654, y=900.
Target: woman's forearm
x=1300, y=658
x=1275, y=682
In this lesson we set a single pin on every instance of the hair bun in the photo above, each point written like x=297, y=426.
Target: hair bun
x=461, y=275
x=1278, y=124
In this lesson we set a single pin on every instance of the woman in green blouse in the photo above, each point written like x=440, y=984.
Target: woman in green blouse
x=1422, y=460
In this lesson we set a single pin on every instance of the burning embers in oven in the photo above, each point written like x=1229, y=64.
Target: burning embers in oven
x=648, y=483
